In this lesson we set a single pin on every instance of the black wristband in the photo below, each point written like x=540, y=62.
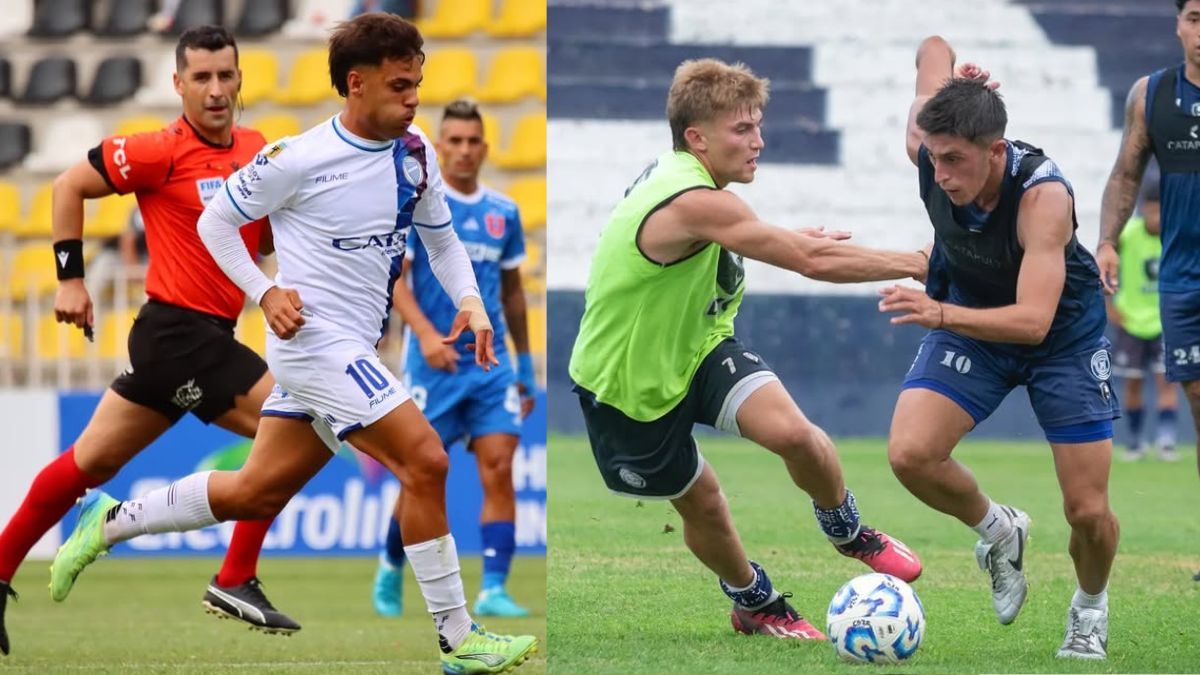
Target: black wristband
x=68, y=259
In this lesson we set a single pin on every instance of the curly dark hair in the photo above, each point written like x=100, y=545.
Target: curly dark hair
x=368, y=39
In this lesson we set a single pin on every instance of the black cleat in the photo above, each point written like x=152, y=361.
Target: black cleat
x=247, y=603
x=5, y=591
x=1195, y=577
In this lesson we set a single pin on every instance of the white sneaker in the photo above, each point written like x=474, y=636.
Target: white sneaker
x=1005, y=561
x=1087, y=634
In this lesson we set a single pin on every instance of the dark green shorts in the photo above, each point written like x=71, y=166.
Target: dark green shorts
x=660, y=459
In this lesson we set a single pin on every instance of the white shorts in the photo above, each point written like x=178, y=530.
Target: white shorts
x=330, y=378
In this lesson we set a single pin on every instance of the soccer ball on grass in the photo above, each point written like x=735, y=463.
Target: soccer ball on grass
x=875, y=618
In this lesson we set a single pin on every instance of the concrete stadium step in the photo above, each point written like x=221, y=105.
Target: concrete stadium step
x=571, y=59
x=626, y=22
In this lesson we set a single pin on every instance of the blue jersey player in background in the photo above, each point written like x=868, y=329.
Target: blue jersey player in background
x=1011, y=298
x=462, y=401
x=1162, y=118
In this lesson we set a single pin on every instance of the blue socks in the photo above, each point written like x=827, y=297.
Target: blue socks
x=394, y=550
x=839, y=524
x=499, y=541
x=1134, y=417
x=1167, y=433
x=759, y=593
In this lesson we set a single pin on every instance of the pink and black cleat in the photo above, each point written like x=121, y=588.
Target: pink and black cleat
x=883, y=554
x=777, y=619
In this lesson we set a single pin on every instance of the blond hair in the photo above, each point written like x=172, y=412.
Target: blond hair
x=705, y=88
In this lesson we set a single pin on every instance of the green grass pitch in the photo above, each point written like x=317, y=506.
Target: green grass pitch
x=627, y=597
x=144, y=616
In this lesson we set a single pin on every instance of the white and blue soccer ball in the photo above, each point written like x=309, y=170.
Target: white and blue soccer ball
x=875, y=618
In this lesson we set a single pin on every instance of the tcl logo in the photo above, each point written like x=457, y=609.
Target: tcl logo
x=120, y=158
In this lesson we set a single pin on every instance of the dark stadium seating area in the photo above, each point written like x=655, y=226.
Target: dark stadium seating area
x=592, y=48
x=1131, y=37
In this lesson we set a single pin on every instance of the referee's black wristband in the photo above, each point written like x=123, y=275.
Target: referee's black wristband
x=68, y=259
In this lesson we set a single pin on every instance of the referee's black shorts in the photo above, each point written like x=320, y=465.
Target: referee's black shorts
x=185, y=361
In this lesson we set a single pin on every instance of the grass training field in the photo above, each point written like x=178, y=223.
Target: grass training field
x=627, y=597
x=144, y=616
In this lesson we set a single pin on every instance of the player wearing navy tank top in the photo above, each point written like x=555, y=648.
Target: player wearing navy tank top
x=1162, y=117
x=1011, y=299
x=461, y=401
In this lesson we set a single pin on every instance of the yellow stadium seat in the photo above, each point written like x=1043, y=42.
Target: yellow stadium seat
x=527, y=147
x=456, y=18
x=308, y=80
x=111, y=217
x=536, y=316
x=491, y=131
x=533, y=256
x=12, y=335
x=33, y=269
x=513, y=74
x=449, y=74
x=534, y=284
x=113, y=336
x=260, y=75
x=10, y=207
x=425, y=123
x=530, y=196
x=139, y=124
x=519, y=18
x=37, y=220
x=55, y=340
x=252, y=331
x=275, y=127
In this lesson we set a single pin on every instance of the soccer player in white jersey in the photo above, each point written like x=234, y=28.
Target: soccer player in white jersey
x=341, y=198
x=462, y=402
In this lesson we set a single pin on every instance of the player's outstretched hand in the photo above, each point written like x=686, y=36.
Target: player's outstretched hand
x=820, y=233
x=438, y=353
x=972, y=71
x=485, y=355
x=1109, y=261
x=472, y=317
x=913, y=306
x=282, y=308
x=73, y=304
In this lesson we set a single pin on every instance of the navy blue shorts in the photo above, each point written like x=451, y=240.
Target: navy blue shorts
x=1181, y=334
x=1071, y=394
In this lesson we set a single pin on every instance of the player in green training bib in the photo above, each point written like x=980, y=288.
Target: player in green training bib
x=656, y=351
x=1138, y=350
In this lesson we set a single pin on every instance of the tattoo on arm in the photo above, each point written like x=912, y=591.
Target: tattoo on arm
x=1121, y=190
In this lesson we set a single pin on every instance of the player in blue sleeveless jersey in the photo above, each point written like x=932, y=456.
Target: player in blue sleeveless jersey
x=462, y=401
x=1162, y=118
x=1011, y=299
